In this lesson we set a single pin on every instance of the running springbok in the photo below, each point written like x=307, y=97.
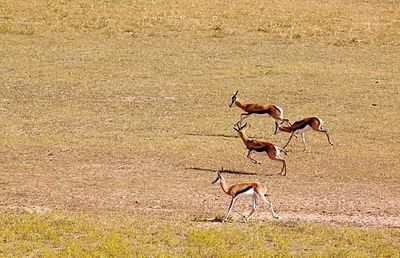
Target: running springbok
x=258, y=110
x=254, y=189
x=301, y=127
x=260, y=147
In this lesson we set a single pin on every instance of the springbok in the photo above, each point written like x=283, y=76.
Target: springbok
x=260, y=147
x=301, y=127
x=254, y=189
x=258, y=110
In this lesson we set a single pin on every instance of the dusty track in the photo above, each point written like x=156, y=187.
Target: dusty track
x=157, y=189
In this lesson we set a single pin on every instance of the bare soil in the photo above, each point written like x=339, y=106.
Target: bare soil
x=182, y=193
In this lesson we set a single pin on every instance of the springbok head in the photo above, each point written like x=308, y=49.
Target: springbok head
x=234, y=99
x=277, y=128
x=238, y=127
x=219, y=177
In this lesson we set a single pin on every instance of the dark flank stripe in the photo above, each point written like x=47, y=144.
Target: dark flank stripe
x=244, y=190
x=258, y=149
x=302, y=125
x=261, y=112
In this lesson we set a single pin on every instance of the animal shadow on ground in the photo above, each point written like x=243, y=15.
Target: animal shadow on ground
x=213, y=135
x=216, y=219
x=227, y=171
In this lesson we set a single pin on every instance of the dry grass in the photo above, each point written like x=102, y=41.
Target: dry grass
x=336, y=22
x=122, y=106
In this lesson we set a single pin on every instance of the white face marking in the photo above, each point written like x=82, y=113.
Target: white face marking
x=216, y=181
x=305, y=129
x=233, y=102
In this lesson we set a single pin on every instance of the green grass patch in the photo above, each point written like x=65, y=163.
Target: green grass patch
x=88, y=235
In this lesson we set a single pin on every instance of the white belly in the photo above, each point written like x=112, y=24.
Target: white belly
x=248, y=192
x=261, y=115
x=303, y=130
x=260, y=153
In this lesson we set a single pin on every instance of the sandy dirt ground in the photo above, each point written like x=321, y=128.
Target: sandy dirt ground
x=186, y=193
